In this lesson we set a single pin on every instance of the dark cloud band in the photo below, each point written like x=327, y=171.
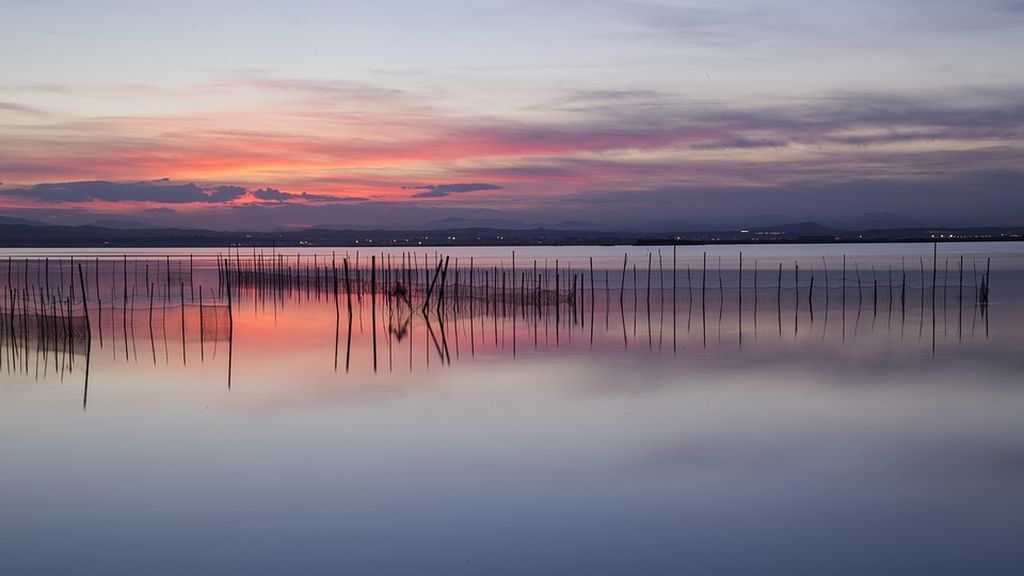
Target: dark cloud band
x=441, y=190
x=161, y=191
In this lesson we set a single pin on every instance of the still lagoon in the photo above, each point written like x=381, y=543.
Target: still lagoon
x=595, y=410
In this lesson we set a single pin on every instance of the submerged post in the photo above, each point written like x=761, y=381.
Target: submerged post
x=650, y=257
x=622, y=288
x=703, y=279
x=85, y=302
x=373, y=306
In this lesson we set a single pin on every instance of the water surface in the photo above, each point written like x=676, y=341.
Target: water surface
x=699, y=418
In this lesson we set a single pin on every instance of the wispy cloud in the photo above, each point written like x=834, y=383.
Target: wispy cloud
x=692, y=23
x=22, y=109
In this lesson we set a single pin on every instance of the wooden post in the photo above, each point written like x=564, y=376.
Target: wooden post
x=593, y=294
x=348, y=286
x=99, y=300
x=440, y=296
x=182, y=296
x=124, y=303
x=373, y=306
x=85, y=302
x=202, y=328
x=844, y=285
x=704, y=280
x=779, y=291
x=622, y=288
x=650, y=256
x=810, y=297
x=796, y=284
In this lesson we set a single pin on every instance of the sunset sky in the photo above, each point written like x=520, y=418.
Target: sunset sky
x=605, y=113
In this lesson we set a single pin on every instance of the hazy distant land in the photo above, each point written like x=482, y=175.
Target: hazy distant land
x=28, y=234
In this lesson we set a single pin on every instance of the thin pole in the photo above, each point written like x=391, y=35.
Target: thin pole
x=622, y=288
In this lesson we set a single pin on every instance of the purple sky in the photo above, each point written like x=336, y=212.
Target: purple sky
x=601, y=113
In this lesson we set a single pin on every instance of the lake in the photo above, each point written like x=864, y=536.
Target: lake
x=809, y=409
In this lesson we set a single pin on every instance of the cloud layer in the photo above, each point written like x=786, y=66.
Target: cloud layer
x=441, y=190
x=605, y=112
x=159, y=192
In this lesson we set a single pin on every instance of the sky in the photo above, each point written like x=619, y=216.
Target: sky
x=628, y=114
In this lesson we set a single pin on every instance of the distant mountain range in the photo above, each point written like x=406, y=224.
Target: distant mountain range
x=16, y=232
x=119, y=224
x=7, y=220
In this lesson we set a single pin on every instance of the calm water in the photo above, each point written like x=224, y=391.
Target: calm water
x=701, y=425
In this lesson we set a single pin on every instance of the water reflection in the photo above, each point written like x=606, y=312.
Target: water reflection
x=431, y=308
x=563, y=412
x=561, y=299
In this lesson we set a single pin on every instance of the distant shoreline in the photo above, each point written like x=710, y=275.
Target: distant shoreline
x=6, y=246
x=42, y=236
